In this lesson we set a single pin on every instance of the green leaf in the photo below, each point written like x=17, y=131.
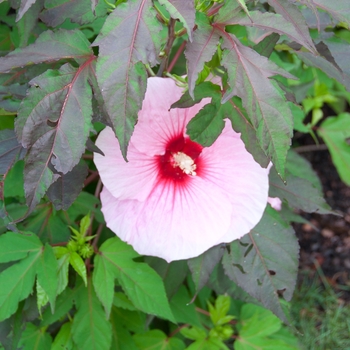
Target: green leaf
x=194, y=333
x=17, y=283
x=14, y=186
x=219, y=312
x=202, y=266
x=78, y=265
x=63, y=339
x=157, y=340
x=265, y=262
x=299, y=193
x=134, y=321
x=336, y=131
x=120, y=70
x=141, y=284
x=49, y=46
x=84, y=224
x=121, y=300
x=121, y=337
x=41, y=297
x=15, y=246
x=47, y=274
x=64, y=304
x=56, y=101
x=184, y=11
x=83, y=204
x=183, y=310
x=90, y=329
x=266, y=46
x=34, y=338
x=207, y=125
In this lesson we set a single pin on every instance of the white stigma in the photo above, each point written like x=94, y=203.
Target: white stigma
x=185, y=163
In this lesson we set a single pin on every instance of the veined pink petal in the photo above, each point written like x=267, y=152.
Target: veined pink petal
x=174, y=222
x=234, y=170
x=125, y=180
x=157, y=122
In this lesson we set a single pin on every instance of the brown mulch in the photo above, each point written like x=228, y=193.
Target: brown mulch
x=326, y=242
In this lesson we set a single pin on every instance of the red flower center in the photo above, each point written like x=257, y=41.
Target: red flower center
x=181, y=160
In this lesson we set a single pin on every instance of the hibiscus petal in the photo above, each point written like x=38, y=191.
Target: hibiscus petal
x=233, y=169
x=126, y=180
x=157, y=123
x=174, y=222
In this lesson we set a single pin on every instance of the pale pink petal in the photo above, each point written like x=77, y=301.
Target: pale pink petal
x=275, y=203
x=234, y=170
x=125, y=180
x=173, y=223
x=157, y=123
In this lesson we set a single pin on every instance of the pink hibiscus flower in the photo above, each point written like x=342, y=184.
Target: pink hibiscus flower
x=174, y=198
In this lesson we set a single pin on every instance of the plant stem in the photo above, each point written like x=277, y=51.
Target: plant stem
x=168, y=46
x=176, y=57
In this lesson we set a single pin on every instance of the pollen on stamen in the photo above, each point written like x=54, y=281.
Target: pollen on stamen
x=185, y=163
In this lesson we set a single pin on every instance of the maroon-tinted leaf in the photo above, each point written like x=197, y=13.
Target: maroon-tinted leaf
x=293, y=16
x=200, y=50
x=78, y=11
x=183, y=10
x=340, y=51
x=54, y=122
x=10, y=150
x=299, y=193
x=120, y=74
x=11, y=96
x=50, y=46
x=270, y=22
x=339, y=10
x=327, y=67
x=202, y=266
x=265, y=262
x=63, y=192
x=248, y=74
x=318, y=20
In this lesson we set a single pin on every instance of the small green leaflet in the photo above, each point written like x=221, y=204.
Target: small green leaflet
x=336, y=131
x=141, y=284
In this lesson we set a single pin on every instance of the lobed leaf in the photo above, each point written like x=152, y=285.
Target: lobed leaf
x=50, y=46
x=90, y=328
x=296, y=30
x=120, y=73
x=54, y=122
x=10, y=150
x=156, y=339
x=202, y=266
x=63, y=192
x=248, y=74
x=293, y=17
x=299, y=193
x=78, y=11
x=265, y=262
x=141, y=284
x=200, y=50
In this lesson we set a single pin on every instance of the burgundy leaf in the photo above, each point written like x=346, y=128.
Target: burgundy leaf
x=248, y=74
x=10, y=150
x=63, y=192
x=54, y=122
x=294, y=17
x=272, y=22
x=183, y=10
x=50, y=46
x=78, y=11
x=129, y=36
x=200, y=50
